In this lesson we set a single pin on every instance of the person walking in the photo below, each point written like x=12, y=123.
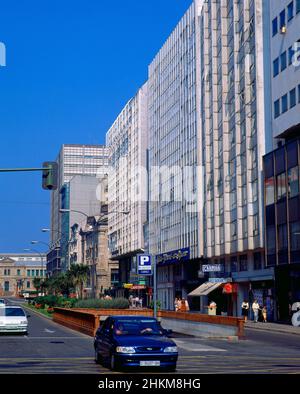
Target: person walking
x=176, y=304
x=245, y=310
x=264, y=314
x=255, y=308
x=184, y=306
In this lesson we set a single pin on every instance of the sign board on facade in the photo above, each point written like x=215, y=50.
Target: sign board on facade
x=173, y=257
x=144, y=264
x=220, y=280
x=213, y=268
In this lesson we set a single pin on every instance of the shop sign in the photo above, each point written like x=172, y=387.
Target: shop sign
x=173, y=257
x=128, y=285
x=213, y=268
x=138, y=287
x=219, y=280
x=230, y=288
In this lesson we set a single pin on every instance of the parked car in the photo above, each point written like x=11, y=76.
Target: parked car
x=13, y=319
x=134, y=341
x=2, y=302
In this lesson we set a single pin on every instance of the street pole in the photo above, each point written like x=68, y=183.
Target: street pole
x=154, y=287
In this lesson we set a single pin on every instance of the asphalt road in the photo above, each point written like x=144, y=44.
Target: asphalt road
x=50, y=348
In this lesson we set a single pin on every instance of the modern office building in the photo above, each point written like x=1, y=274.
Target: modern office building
x=281, y=166
x=285, y=57
x=73, y=160
x=173, y=104
x=127, y=141
x=235, y=133
x=17, y=272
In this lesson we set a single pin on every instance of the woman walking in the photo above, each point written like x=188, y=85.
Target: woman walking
x=245, y=310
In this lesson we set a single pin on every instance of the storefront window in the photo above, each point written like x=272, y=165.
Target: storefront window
x=281, y=186
x=233, y=263
x=243, y=263
x=257, y=261
x=293, y=182
x=269, y=185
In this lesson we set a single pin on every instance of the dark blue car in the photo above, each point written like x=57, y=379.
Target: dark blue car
x=134, y=341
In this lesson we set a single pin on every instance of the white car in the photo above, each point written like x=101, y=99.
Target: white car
x=2, y=302
x=13, y=319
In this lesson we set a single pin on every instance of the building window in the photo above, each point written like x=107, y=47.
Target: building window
x=271, y=240
x=291, y=55
x=299, y=94
x=233, y=227
x=36, y=272
x=282, y=19
x=276, y=67
x=18, y=272
x=292, y=98
x=257, y=261
x=282, y=237
x=297, y=6
x=270, y=191
x=284, y=103
x=281, y=186
x=290, y=11
x=243, y=263
x=275, y=26
x=293, y=182
x=277, y=108
x=283, y=61
x=295, y=236
x=6, y=286
x=32, y=272
x=28, y=284
x=41, y=272
x=28, y=272
x=233, y=264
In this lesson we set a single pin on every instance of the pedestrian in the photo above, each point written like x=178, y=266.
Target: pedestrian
x=184, y=305
x=176, y=304
x=212, y=308
x=255, y=308
x=264, y=314
x=245, y=310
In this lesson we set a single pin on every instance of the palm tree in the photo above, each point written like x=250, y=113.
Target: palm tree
x=37, y=284
x=79, y=274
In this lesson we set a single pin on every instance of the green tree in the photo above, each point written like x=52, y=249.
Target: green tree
x=37, y=283
x=79, y=274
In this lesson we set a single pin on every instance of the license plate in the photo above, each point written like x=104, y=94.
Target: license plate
x=150, y=363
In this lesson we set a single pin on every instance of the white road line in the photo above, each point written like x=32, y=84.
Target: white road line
x=197, y=347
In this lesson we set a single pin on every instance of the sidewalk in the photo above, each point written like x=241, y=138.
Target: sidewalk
x=273, y=327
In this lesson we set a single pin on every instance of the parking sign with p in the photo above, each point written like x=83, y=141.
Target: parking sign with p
x=144, y=264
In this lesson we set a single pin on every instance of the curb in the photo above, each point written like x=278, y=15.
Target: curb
x=37, y=313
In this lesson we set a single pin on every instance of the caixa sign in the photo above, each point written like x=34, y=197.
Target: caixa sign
x=213, y=268
x=2, y=55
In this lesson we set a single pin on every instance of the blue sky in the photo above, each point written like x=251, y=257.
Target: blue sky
x=71, y=67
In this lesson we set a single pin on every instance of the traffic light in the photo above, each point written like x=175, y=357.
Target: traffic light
x=50, y=175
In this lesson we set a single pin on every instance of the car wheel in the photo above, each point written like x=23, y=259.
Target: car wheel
x=112, y=362
x=97, y=357
x=171, y=369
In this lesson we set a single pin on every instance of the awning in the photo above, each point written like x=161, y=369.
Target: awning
x=204, y=289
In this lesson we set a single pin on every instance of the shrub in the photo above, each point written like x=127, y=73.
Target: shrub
x=116, y=303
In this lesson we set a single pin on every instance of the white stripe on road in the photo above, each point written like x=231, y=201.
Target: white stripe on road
x=196, y=348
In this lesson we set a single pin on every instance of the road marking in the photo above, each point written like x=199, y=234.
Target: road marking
x=199, y=348
x=49, y=331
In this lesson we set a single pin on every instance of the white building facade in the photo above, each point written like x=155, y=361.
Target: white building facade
x=127, y=142
x=285, y=67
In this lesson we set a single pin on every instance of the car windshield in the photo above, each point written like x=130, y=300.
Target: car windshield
x=12, y=312
x=137, y=327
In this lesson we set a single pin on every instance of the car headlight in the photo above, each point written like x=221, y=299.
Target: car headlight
x=23, y=322
x=171, y=349
x=125, y=349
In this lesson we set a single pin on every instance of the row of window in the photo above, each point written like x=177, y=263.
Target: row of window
x=286, y=185
x=283, y=241
x=286, y=102
x=286, y=59
x=8, y=288
x=32, y=273
x=285, y=16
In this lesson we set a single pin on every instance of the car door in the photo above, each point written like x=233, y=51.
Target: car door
x=107, y=339
x=102, y=338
